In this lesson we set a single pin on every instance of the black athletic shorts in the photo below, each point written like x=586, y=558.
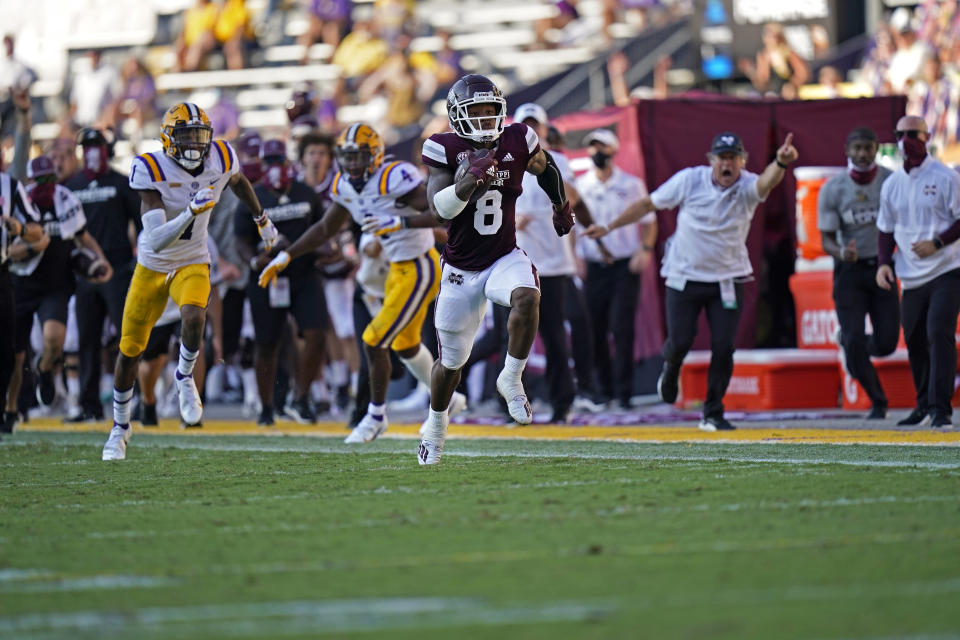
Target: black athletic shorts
x=307, y=304
x=48, y=305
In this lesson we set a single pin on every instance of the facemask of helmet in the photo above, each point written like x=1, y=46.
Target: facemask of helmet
x=193, y=143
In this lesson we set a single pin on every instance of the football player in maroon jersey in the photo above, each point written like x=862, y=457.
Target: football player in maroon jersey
x=481, y=260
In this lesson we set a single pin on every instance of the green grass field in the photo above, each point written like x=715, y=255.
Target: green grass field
x=258, y=537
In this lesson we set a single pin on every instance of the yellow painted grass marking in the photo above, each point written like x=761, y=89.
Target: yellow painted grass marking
x=789, y=435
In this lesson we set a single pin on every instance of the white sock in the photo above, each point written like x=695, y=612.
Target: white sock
x=187, y=360
x=436, y=431
x=420, y=365
x=73, y=389
x=121, y=406
x=376, y=410
x=514, y=366
x=339, y=373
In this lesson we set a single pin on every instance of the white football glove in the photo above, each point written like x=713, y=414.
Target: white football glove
x=268, y=232
x=275, y=266
x=203, y=200
x=382, y=225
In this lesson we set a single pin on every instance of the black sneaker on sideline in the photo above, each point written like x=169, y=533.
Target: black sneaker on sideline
x=46, y=391
x=301, y=411
x=938, y=419
x=918, y=417
x=877, y=412
x=266, y=417
x=84, y=417
x=716, y=424
x=668, y=384
x=148, y=415
x=9, y=422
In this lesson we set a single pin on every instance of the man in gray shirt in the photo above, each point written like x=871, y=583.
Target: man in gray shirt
x=847, y=210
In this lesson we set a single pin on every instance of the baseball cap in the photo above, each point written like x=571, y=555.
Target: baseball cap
x=531, y=110
x=727, y=142
x=273, y=149
x=862, y=133
x=39, y=167
x=603, y=136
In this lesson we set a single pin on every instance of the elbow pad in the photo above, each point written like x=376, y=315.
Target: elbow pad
x=447, y=203
x=160, y=233
x=552, y=182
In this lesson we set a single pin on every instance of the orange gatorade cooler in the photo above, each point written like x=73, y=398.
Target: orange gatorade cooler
x=809, y=181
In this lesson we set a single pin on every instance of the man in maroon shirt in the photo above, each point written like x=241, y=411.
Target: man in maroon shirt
x=481, y=260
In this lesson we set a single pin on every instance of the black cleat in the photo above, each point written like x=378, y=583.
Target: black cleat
x=266, y=417
x=938, y=419
x=716, y=424
x=877, y=412
x=301, y=411
x=668, y=384
x=84, y=417
x=917, y=418
x=46, y=391
x=148, y=415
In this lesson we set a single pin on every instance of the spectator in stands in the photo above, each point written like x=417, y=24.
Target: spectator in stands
x=137, y=97
x=93, y=91
x=362, y=51
x=294, y=207
x=224, y=115
x=612, y=283
x=393, y=19
x=829, y=78
x=449, y=62
x=906, y=63
x=207, y=26
x=400, y=85
x=706, y=260
x=22, y=136
x=566, y=13
x=847, y=210
x=933, y=97
x=14, y=76
x=233, y=30
x=920, y=218
x=777, y=64
x=20, y=234
x=112, y=212
x=329, y=20
x=44, y=282
x=873, y=72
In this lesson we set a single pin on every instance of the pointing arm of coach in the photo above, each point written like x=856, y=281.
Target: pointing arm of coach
x=766, y=181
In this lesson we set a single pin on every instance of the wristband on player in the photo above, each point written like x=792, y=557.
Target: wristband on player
x=447, y=202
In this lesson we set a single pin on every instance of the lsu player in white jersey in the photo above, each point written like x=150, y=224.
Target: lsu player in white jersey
x=178, y=187
x=388, y=200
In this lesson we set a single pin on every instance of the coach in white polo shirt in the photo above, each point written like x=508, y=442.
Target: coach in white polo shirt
x=706, y=259
x=920, y=218
x=612, y=287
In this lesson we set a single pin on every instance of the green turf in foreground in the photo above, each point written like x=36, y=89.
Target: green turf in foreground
x=256, y=537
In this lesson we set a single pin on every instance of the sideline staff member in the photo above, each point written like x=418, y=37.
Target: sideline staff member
x=846, y=216
x=920, y=216
x=706, y=260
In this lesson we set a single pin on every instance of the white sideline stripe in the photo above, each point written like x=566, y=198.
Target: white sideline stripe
x=86, y=583
x=544, y=452
x=296, y=617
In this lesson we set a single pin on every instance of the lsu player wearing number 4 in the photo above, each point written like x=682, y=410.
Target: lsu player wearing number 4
x=177, y=188
x=481, y=260
x=388, y=200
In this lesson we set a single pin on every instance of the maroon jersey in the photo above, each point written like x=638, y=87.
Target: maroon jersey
x=486, y=230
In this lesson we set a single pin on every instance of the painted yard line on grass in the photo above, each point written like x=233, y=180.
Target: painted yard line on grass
x=280, y=445
x=656, y=434
x=300, y=617
x=52, y=583
x=286, y=527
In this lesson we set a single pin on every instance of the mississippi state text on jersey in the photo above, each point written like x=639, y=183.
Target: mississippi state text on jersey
x=486, y=230
x=161, y=173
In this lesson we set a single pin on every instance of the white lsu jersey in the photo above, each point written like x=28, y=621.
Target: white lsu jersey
x=159, y=172
x=378, y=197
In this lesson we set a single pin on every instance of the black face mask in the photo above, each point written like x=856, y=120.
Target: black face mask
x=601, y=160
